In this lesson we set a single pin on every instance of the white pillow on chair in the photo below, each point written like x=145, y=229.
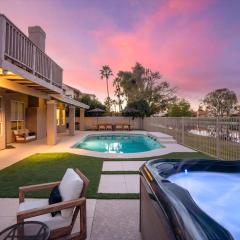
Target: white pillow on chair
x=70, y=189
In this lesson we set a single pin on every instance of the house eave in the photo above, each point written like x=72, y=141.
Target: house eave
x=69, y=101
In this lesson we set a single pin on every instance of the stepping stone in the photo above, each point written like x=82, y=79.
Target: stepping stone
x=122, y=165
x=119, y=183
x=132, y=165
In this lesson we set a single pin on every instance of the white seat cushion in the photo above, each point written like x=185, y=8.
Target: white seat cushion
x=52, y=222
x=30, y=137
x=70, y=189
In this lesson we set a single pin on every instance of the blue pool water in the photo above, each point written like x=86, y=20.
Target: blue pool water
x=217, y=194
x=118, y=143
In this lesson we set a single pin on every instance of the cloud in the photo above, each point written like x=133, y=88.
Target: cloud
x=193, y=44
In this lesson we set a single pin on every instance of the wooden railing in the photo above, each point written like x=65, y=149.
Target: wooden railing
x=22, y=52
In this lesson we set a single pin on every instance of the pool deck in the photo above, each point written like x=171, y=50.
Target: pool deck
x=64, y=143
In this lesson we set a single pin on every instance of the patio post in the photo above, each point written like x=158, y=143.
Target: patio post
x=82, y=119
x=51, y=122
x=71, y=120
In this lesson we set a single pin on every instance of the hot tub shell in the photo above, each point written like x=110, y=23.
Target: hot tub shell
x=167, y=211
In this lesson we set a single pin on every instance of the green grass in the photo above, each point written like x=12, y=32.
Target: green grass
x=180, y=155
x=48, y=167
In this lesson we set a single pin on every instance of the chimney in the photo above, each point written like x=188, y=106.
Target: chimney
x=38, y=36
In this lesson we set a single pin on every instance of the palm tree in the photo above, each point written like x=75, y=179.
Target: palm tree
x=106, y=72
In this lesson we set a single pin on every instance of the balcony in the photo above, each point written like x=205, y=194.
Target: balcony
x=24, y=63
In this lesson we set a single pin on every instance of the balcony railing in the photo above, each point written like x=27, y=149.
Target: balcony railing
x=22, y=52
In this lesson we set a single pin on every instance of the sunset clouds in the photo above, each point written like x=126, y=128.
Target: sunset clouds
x=194, y=44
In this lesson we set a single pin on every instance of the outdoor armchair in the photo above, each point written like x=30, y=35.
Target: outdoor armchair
x=61, y=225
x=23, y=135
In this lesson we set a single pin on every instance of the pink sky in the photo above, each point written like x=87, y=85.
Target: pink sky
x=193, y=44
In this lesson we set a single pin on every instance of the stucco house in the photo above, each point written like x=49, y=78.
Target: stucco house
x=31, y=87
x=75, y=93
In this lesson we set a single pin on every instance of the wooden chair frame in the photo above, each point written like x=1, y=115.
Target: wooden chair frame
x=25, y=138
x=79, y=204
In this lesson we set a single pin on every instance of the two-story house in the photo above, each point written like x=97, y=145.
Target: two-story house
x=31, y=94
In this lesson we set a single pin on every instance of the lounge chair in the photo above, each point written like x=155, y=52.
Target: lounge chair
x=101, y=127
x=126, y=127
x=24, y=135
x=109, y=127
x=119, y=127
x=72, y=188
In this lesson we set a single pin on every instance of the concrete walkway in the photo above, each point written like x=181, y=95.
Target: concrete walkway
x=116, y=220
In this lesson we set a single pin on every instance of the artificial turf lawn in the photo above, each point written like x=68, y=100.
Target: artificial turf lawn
x=49, y=167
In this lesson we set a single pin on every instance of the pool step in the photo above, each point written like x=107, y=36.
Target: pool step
x=161, y=137
x=167, y=141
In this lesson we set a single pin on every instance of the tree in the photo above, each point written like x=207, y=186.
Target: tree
x=114, y=105
x=143, y=83
x=180, y=108
x=142, y=106
x=118, y=92
x=220, y=102
x=106, y=72
x=108, y=104
x=92, y=103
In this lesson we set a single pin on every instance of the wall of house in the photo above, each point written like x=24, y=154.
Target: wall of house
x=36, y=117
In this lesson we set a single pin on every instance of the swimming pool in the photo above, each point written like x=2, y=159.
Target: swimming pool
x=118, y=143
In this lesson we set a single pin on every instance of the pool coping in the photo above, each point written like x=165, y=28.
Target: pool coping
x=167, y=141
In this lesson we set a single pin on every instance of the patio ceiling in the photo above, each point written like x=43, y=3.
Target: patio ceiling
x=8, y=75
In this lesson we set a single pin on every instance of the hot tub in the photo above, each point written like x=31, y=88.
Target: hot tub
x=190, y=200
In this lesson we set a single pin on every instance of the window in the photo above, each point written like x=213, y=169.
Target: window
x=17, y=111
